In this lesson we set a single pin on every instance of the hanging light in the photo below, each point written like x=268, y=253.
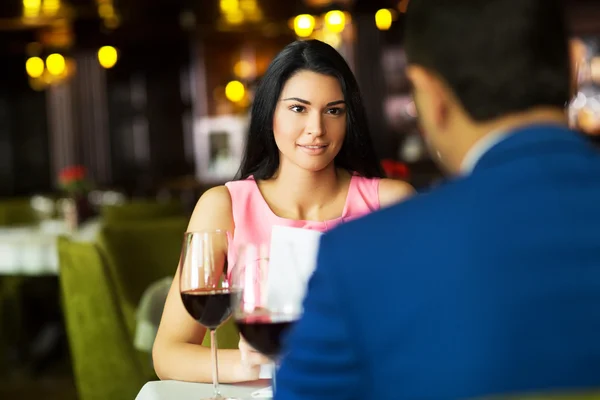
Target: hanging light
x=235, y=91
x=304, y=25
x=34, y=67
x=31, y=8
x=56, y=64
x=51, y=7
x=107, y=56
x=383, y=19
x=335, y=21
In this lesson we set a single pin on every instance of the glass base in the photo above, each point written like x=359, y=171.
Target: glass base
x=265, y=394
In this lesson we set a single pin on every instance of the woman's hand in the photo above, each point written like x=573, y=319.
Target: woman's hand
x=251, y=357
x=251, y=360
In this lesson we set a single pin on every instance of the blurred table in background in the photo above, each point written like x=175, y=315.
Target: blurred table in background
x=30, y=311
x=32, y=250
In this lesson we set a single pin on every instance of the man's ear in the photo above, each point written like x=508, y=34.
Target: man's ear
x=431, y=92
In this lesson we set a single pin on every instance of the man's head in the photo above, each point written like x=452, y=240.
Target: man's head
x=477, y=65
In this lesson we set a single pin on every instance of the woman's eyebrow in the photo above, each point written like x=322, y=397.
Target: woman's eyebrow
x=299, y=100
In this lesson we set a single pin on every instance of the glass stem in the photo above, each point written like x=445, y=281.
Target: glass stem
x=215, y=368
x=273, y=378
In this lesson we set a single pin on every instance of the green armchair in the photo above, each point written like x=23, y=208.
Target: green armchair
x=105, y=363
x=140, y=211
x=141, y=253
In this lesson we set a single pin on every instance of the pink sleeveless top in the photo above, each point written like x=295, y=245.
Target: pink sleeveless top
x=254, y=219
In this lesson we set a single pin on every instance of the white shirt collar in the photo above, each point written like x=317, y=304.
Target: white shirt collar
x=481, y=147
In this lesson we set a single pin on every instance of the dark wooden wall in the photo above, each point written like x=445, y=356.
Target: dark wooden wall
x=24, y=158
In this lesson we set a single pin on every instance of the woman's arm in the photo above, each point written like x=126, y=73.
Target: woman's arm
x=177, y=352
x=392, y=191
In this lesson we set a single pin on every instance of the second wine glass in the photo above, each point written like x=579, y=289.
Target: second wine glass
x=263, y=309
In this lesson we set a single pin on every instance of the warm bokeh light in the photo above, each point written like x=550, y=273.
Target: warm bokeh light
x=106, y=10
x=332, y=39
x=243, y=69
x=31, y=8
x=235, y=91
x=231, y=11
x=55, y=64
x=228, y=6
x=304, y=25
x=107, y=56
x=32, y=3
x=383, y=19
x=248, y=5
x=235, y=17
x=34, y=67
x=335, y=21
x=51, y=7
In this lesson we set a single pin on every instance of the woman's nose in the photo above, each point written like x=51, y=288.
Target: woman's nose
x=314, y=125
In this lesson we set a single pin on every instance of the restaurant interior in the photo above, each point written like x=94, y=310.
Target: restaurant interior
x=115, y=117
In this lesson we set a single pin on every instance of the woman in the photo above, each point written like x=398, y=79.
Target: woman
x=309, y=163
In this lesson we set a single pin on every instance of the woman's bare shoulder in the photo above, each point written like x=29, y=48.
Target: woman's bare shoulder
x=213, y=210
x=392, y=191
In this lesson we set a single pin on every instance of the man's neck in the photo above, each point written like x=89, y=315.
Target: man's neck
x=486, y=135
x=479, y=148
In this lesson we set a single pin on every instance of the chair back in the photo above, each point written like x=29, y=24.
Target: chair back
x=140, y=210
x=105, y=363
x=138, y=254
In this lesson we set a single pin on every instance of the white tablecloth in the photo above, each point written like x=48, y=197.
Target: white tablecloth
x=33, y=250
x=169, y=390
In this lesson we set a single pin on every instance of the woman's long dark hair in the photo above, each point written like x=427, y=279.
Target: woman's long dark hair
x=261, y=156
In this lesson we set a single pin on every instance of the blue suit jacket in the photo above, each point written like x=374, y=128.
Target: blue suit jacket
x=489, y=284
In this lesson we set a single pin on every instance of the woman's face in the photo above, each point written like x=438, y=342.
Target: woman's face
x=309, y=123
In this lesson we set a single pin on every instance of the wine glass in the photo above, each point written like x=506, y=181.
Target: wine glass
x=265, y=306
x=204, y=286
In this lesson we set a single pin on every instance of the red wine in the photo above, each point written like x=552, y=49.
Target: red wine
x=265, y=333
x=209, y=307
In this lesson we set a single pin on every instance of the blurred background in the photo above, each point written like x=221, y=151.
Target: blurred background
x=125, y=111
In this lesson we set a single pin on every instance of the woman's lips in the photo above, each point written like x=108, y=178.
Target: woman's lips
x=313, y=150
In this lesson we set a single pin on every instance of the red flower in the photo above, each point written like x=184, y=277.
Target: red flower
x=395, y=169
x=73, y=179
x=72, y=174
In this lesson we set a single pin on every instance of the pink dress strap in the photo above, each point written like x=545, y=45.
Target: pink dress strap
x=363, y=197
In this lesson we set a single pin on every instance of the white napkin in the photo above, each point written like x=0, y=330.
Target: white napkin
x=293, y=258
x=266, y=371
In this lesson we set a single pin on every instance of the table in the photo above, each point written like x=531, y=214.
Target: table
x=168, y=390
x=32, y=250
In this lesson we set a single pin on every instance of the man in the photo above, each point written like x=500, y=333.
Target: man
x=489, y=284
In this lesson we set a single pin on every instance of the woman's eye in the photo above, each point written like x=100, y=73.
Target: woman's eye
x=335, y=111
x=297, y=109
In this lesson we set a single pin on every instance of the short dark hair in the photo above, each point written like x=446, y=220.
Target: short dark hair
x=498, y=56
x=261, y=156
